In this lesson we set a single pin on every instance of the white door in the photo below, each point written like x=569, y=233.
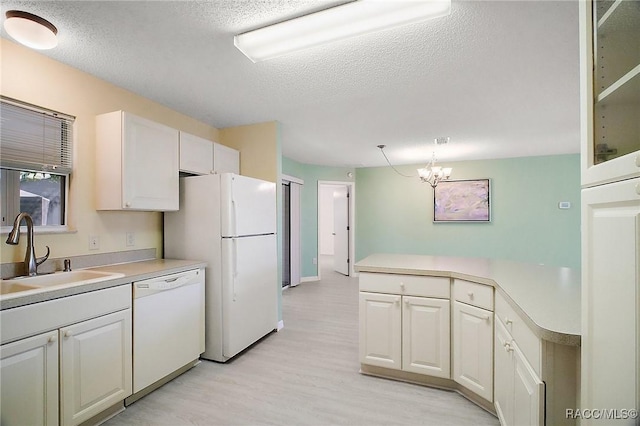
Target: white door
x=95, y=366
x=611, y=296
x=249, y=290
x=503, y=377
x=29, y=381
x=150, y=165
x=248, y=206
x=196, y=154
x=528, y=392
x=425, y=336
x=381, y=330
x=473, y=349
x=341, y=230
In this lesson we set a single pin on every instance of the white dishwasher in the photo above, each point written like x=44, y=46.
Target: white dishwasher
x=168, y=325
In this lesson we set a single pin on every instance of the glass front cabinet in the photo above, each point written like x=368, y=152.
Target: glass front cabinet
x=610, y=106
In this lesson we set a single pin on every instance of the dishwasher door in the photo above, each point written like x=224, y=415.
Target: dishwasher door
x=168, y=325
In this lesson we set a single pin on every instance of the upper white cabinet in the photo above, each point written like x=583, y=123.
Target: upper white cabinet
x=225, y=159
x=200, y=156
x=610, y=91
x=196, y=154
x=136, y=164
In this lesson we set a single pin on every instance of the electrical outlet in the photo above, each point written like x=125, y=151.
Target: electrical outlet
x=131, y=239
x=94, y=242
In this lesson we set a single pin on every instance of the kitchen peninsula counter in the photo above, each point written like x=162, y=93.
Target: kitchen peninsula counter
x=547, y=298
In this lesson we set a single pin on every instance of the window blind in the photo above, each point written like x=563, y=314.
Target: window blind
x=35, y=139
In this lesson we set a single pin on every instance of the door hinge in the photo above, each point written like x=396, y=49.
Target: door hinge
x=347, y=228
x=348, y=260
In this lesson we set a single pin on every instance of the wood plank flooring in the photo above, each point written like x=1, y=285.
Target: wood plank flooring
x=306, y=374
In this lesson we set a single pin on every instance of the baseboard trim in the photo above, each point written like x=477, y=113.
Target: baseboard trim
x=309, y=279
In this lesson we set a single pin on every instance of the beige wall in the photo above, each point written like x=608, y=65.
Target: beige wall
x=31, y=77
x=259, y=149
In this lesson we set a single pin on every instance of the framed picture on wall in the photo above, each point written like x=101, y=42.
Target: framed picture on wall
x=462, y=201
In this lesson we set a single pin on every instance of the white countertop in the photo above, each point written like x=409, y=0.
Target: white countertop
x=548, y=298
x=133, y=271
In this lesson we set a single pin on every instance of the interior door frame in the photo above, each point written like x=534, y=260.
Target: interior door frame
x=295, y=249
x=351, y=187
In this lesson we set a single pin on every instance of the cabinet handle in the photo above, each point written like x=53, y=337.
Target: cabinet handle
x=397, y=302
x=638, y=188
x=68, y=333
x=51, y=338
x=508, y=321
x=127, y=204
x=470, y=294
x=638, y=160
x=485, y=317
x=406, y=301
x=507, y=347
x=402, y=286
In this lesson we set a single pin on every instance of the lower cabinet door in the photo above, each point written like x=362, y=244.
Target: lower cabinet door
x=503, y=377
x=528, y=392
x=29, y=381
x=473, y=349
x=95, y=366
x=426, y=336
x=381, y=330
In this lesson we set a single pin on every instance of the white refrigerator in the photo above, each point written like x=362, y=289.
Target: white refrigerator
x=229, y=221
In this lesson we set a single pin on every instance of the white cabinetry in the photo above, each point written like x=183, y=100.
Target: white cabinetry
x=610, y=137
x=473, y=349
x=137, y=162
x=66, y=359
x=519, y=392
x=200, y=156
x=95, y=366
x=611, y=295
x=405, y=323
x=29, y=381
x=196, y=154
x=473, y=337
x=425, y=336
x=225, y=159
x=380, y=330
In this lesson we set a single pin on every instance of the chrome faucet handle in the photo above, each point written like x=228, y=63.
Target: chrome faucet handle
x=67, y=265
x=40, y=260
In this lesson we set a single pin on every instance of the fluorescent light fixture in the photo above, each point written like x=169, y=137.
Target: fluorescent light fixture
x=31, y=30
x=340, y=22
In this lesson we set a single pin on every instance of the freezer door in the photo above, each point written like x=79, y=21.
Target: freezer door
x=248, y=206
x=249, y=291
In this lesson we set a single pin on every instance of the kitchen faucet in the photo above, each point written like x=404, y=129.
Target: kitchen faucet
x=31, y=262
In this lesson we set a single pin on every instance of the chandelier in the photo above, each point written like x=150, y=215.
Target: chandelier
x=431, y=173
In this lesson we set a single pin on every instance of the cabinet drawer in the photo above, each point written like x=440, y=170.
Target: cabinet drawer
x=411, y=285
x=479, y=295
x=527, y=341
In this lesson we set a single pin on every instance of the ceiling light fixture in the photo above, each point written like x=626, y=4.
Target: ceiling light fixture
x=340, y=22
x=430, y=174
x=31, y=30
x=433, y=174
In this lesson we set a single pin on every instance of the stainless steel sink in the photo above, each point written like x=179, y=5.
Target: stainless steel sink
x=57, y=279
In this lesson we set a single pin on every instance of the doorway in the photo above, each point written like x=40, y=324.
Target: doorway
x=335, y=226
x=291, y=253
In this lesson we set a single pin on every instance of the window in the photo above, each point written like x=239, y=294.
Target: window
x=35, y=162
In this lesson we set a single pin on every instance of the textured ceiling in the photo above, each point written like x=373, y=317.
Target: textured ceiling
x=498, y=77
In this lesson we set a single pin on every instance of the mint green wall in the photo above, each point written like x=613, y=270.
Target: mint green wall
x=395, y=214
x=311, y=174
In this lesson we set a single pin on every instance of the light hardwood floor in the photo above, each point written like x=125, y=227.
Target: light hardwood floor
x=306, y=374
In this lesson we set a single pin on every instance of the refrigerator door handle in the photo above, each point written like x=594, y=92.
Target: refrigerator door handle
x=235, y=268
